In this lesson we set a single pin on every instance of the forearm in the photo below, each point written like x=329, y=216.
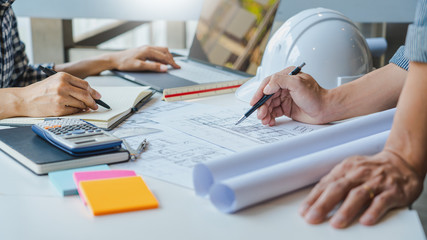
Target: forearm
x=89, y=67
x=408, y=137
x=376, y=91
x=12, y=103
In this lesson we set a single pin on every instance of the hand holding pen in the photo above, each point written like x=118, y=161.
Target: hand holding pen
x=264, y=99
x=50, y=72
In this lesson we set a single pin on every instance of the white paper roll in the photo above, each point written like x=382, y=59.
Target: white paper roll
x=206, y=174
x=248, y=189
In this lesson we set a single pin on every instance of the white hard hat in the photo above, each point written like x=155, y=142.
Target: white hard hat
x=334, y=50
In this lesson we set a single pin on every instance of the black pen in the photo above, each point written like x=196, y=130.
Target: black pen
x=49, y=72
x=266, y=97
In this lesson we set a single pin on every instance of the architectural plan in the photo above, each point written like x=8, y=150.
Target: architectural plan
x=182, y=134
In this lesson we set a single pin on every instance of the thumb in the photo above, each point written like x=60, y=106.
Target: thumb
x=153, y=66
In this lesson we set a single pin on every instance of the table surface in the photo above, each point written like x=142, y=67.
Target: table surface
x=31, y=208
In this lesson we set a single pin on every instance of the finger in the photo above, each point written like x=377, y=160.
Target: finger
x=277, y=112
x=171, y=60
x=286, y=106
x=72, y=102
x=74, y=81
x=355, y=202
x=272, y=122
x=173, y=63
x=77, y=82
x=266, y=120
x=161, y=49
x=152, y=66
x=262, y=112
x=315, y=193
x=333, y=194
x=162, y=57
x=380, y=205
x=84, y=96
x=78, y=88
x=259, y=92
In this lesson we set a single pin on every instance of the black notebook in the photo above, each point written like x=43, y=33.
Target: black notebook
x=41, y=157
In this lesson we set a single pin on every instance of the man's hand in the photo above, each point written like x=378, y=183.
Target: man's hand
x=369, y=185
x=136, y=59
x=58, y=95
x=298, y=97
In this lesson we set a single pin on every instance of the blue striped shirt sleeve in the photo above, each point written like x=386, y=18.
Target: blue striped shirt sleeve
x=416, y=38
x=415, y=48
x=399, y=58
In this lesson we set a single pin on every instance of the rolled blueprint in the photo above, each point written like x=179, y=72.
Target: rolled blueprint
x=245, y=190
x=206, y=174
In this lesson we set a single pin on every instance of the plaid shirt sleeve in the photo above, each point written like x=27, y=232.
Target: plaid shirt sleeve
x=15, y=69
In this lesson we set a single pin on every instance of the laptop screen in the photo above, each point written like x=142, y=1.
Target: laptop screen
x=233, y=33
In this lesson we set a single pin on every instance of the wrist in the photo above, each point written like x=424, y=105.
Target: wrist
x=15, y=102
x=402, y=161
x=407, y=147
x=108, y=61
x=329, y=108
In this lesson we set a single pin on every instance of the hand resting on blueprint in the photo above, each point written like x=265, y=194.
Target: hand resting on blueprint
x=380, y=183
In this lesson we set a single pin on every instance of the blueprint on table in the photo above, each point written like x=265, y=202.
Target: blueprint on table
x=182, y=134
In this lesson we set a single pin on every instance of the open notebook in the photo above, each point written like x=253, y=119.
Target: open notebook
x=122, y=100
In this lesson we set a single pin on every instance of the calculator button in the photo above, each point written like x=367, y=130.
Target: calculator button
x=78, y=131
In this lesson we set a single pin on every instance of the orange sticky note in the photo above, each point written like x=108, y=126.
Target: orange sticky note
x=117, y=195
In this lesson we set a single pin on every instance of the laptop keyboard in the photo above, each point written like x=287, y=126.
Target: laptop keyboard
x=200, y=73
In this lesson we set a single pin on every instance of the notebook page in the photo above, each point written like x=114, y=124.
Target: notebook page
x=120, y=99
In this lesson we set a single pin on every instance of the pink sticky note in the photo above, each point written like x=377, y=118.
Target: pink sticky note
x=96, y=175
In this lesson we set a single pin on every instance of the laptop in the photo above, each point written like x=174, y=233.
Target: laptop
x=228, y=45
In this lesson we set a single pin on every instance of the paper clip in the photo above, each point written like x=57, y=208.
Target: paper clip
x=134, y=154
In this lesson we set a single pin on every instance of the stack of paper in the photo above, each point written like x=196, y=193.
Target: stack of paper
x=249, y=177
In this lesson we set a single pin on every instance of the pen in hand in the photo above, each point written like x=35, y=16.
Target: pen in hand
x=50, y=72
x=266, y=97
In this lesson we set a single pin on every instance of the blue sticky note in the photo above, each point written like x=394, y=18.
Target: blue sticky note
x=64, y=182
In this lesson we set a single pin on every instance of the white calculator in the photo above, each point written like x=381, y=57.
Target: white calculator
x=76, y=137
